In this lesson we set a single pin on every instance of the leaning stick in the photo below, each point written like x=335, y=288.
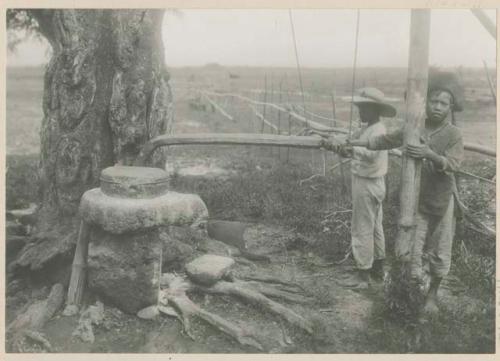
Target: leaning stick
x=490, y=82
x=79, y=267
x=264, y=120
x=477, y=177
x=293, y=114
x=485, y=21
x=264, y=103
x=219, y=108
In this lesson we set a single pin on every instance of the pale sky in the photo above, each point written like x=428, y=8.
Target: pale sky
x=325, y=38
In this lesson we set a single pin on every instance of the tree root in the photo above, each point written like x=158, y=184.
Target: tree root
x=39, y=338
x=269, y=279
x=242, y=291
x=269, y=291
x=31, y=320
x=251, y=292
x=176, y=296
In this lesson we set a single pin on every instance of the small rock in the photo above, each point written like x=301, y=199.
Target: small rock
x=92, y=315
x=70, y=310
x=212, y=246
x=208, y=269
x=229, y=232
x=148, y=313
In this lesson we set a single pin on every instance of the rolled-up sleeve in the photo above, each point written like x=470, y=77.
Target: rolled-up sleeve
x=364, y=154
x=453, y=157
x=386, y=141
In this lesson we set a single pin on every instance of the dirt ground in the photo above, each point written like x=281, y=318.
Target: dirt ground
x=345, y=321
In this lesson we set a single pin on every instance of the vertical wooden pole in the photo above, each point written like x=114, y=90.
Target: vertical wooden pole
x=289, y=117
x=265, y=101
x=415, y=118
x=79, y=268
x=271, y=100
x=279, y=116
x=334, y=109
x=490, y=83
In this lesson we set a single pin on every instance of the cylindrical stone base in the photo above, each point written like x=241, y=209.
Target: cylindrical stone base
x=125, y=269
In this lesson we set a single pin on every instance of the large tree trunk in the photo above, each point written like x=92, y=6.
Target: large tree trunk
x=106, y=93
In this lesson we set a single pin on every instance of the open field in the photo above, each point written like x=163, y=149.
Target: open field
x=25, y=88
x=270, y=187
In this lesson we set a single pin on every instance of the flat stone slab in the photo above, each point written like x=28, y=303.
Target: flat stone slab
x=134, y=182
x=229, y=232
x=120, y=215
x=208, y=269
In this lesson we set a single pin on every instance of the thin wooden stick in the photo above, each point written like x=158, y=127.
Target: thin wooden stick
x=264, y=103
x=485, y=21
x=79, y=268
x=264, y=120
x=279, y=111
x=342, y=175
x=490, y=83
x=219, y=108
x=279, y=117
x=477, y=177
x=316, y=115
x=334, y=110
x=339, y=164
x=293, y=114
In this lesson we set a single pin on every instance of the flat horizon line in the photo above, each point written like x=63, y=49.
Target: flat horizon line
x=275, y=67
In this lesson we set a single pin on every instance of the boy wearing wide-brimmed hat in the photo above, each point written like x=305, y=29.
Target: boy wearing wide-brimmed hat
x=368, y=168
x=442, y=152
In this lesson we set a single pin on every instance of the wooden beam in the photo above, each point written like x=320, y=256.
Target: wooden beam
x=481, y=149
x=304, y=142
x=415, y=110
x=311, y=142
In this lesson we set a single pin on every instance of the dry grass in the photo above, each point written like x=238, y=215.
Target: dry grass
x=266, y=188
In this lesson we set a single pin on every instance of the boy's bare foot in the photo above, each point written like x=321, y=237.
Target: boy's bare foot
x=431, y=307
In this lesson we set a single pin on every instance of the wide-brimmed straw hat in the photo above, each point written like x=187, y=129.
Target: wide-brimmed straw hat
x=375, y=96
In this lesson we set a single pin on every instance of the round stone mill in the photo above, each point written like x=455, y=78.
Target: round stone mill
x=125, y=217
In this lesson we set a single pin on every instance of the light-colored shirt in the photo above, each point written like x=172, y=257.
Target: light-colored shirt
x=369, y=163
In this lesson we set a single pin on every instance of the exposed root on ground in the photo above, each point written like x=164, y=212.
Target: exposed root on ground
x=176, y=296
x=30, y=321
x=242, y=291
x=251, y=292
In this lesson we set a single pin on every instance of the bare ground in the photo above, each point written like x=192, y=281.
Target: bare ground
x=345, y=321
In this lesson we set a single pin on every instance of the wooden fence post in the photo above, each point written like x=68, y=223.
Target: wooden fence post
x=415, y=118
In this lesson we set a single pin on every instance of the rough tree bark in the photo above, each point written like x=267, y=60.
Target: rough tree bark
x=106, y=93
